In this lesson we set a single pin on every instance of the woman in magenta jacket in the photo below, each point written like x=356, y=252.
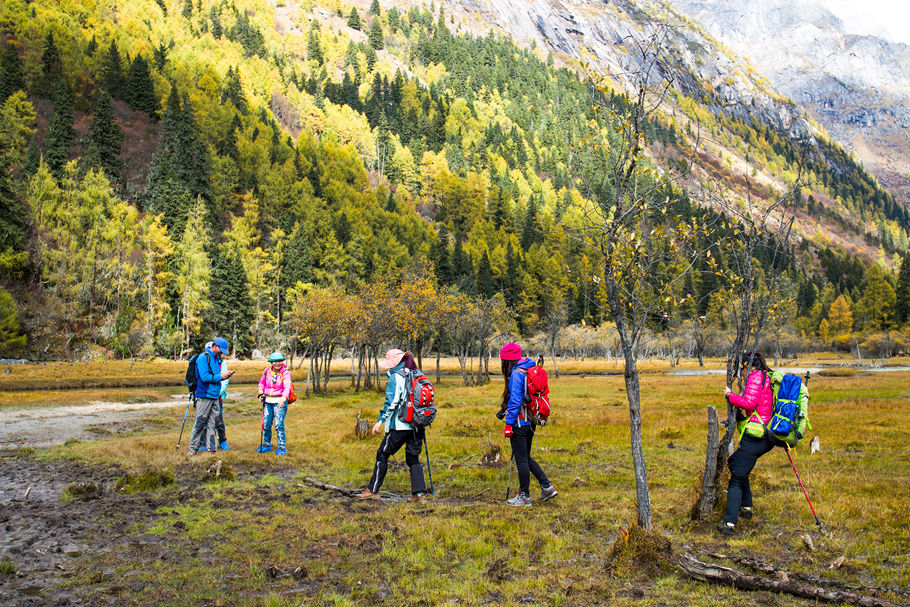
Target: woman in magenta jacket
x=755, y=406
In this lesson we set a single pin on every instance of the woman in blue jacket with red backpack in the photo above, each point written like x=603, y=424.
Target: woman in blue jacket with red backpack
x=519, y=430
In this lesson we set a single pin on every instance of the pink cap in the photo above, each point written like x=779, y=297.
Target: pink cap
x=510, y=351
x=392, y=358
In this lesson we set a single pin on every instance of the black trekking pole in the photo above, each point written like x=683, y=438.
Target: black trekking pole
x=180, y=438
x=429, y=470
x=509, y=486
x=262, y=425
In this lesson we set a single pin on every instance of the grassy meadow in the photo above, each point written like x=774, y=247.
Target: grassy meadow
x=267, y=538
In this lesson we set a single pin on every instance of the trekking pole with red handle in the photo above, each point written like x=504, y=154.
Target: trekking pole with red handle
x=806, y=493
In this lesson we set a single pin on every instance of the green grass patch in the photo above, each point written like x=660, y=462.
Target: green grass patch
x=146, y=481
x=80, y=491
x=7, y=568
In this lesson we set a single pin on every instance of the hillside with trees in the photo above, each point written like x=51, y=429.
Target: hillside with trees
x=327, y=176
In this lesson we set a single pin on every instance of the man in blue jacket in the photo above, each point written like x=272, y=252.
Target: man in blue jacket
x=208, y=392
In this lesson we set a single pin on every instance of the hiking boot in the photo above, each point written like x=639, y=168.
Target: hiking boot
x=418, y=498
x=746, y=512
x=520, y=500
x=281, y=451
x=191, y=452
x=366, y=494
x=725, y=527
x=548, y=493
x=223, y=445
x=264, y=449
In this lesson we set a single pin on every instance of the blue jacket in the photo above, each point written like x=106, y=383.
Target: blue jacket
x=396, y=393
x=208, y=375
x=517, y=382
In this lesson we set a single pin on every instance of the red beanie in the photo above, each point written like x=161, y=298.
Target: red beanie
x=510, y=351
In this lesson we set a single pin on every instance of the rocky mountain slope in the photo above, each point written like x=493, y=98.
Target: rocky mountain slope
x=857, y=87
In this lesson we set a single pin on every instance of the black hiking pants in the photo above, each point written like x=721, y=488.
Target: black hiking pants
x=219, y=423
x=521, y=440
x=739, y=493
x=412, y=440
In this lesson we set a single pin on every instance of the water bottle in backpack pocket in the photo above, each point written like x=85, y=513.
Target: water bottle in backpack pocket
x=419, y=408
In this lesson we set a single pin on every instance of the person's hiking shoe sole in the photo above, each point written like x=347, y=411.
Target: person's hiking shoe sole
x=745, y=513
x=419, y=498
x=725, y=527
x=366, y=494
x=548, y=493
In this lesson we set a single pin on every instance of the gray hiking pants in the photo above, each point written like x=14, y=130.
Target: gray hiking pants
x=207, y=410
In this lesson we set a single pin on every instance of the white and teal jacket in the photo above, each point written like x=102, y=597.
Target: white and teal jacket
x=396, y=393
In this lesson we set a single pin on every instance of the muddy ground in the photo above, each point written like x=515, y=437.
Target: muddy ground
x=57, y=547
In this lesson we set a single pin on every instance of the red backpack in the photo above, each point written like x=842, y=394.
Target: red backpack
x=537, y=396
x=420, y=407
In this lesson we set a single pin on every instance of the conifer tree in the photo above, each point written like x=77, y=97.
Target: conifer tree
x=441, y=257
x=32, y=156
x=371, y=58
x=112, y=79
x=233, y=91
x=187, y=11
x=485, y=286
x=313, y=47
x=297, y=264
x=531, y=232
x=354, y=19
x=902, y=293
x=92, y=47
x=140, y=92
x=375, y=35
x=11, y=78
x=105, y=138
x=181, y=155
x=374, y=8
x=51, y=69
x=231, y=311
x=60, y=135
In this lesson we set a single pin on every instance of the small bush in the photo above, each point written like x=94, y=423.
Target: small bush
x=77, y=492
x=639, y=553
x=219, y=471
x=7, y=568
x=147, y=481
x=838, y=372
x=668, y=432
x=71, y=441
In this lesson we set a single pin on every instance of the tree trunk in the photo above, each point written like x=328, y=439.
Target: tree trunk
x=633, y=394
x=438, y=356
x=359, y=366
x=309, y=373
x=705, y=505
x=709, y=572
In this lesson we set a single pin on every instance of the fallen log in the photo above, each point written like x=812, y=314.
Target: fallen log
x=710, y=572
x=342, y=490
x=796, y=575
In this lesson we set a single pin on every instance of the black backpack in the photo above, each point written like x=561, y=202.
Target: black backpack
x=191, y=379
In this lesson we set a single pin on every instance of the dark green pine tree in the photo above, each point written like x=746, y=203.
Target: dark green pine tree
x=313, y=48
x=92, y=47
x=60, y=135
x=354, y=19
x=105, y=138
x=462, y=272
x=441, y=258
x=160, y=56
x=232, y=310
x=498, y=207
x=531, y=233
x=297, y=264
x=32, y=156
x=112, y=73
x=485, y=284
x=172, y=200
x=371, y=58
x=11, y=78
x=375, y=35
x=140, y=92
x=390, y=204
x=902, y=301
x=510, y=280
x=181, y=155
x=51, y=69
x=187, y=11
x=233, y=91
x=374, y=8
x=230, y=142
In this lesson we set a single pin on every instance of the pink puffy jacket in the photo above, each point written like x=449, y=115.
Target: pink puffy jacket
x=276, y=384
x=757, y=397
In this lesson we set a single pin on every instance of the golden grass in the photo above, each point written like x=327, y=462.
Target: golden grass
x=465, y=546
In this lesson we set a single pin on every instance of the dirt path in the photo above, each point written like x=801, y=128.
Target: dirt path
x=48, y=426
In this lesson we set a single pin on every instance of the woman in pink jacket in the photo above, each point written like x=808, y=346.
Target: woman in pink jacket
x=274, y=389
x=755, y=407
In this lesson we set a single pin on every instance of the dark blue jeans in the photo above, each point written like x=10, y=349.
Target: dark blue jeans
x=739, y=493
x=521, y=440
